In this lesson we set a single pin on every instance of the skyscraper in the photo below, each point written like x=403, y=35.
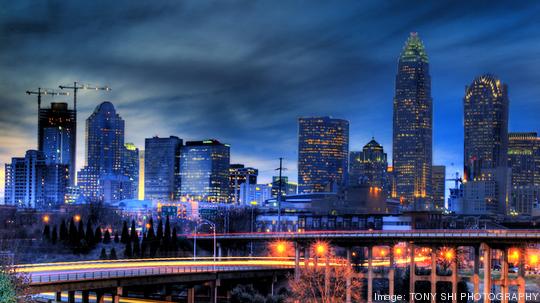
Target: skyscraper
x=438, y=178
x=238, y=175
x=323, y=150
x=412, y=125
x=524, y=161
x=486, y=139
x=369, y=166
x=104, y=151
x=162, y=168
x=57, y=136
x=131, y=168
x=204, y=168
x=32, y=183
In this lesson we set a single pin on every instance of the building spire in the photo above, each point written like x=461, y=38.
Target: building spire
x=414, y=50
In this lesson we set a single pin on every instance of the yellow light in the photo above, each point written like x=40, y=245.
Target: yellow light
x=77, y=218
x=280, y=248
x=399, y=251
x=533, y=260
x=46, y=219
x=449, y=254
x=321, y=248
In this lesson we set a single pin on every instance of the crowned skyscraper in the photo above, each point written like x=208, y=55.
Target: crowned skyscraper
x=412, y=125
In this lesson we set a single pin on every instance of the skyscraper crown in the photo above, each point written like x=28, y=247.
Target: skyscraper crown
x=414, y=50
x=489, y=81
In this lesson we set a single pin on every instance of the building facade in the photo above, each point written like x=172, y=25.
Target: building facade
x=323, y=149
x=413, y=126
x=486, y=136
x=238, y=175
x=162, y=168
x=438, y=179
x=369, y=166
x=104, y=151
x=524, y=161
x=131, y=168
x=57, y=137
x=204, y=171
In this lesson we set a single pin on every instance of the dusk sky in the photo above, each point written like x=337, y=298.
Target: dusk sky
x=244, y=71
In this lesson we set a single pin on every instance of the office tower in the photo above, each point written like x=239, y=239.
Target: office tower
x=104, y=152
x=32, y=183
x=204, y=170
x=412, y=125
x=369, y=166
x=486, y=139
x=524, y=161
x=438, y=179
x=323, y=150
x=57, y=136
x=162, y=168
x=131, y=168
x=287, y=188
x=140, y=190
x=255, y=194
x=238, y=175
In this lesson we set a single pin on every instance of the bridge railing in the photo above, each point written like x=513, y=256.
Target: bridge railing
x=137, y=272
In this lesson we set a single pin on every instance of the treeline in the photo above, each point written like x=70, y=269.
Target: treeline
x=155, y=241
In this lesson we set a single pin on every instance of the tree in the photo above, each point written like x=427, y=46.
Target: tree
x=116, y=238
x=47, y=233
x=133, y=232
x=8, y=293
x=136, y=248
x=159, y=235
x=98, y=235
x=167, y=235
x=144, y=245
x=90, y=238
x=107, y=237
x=112, y=254
x=54, y=235
x=63, y=232
x=174, y=241
x=325, y=285
x=128, y=252
x=103, y=254
x=125, y=233
x=246, y=294
x=80, y=230
x=73, y=234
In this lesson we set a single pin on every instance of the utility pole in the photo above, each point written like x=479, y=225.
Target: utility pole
x=279, y=193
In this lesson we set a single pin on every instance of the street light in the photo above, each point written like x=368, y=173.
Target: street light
x=213, y=226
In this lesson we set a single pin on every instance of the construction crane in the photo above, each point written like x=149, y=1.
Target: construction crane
x=457, y=180
x=45, y=92
x=76, y=86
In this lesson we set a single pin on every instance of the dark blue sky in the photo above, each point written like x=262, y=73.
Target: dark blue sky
x=244, y=71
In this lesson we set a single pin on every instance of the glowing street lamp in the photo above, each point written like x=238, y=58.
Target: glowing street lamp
x=46, y=219
x=321, y=248
x=77, y=218
x=280, y=248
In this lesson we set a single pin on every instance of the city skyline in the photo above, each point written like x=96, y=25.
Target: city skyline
x=218, y=101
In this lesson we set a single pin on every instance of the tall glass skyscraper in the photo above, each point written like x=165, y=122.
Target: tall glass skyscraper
x=162, y=168
x=104, y=152
x=131, y=167
x=486, y=139
x=524, y=161
x=323, y=151
x=369, y=166
x=57, y=136
x=412, y=125
x=204, y=168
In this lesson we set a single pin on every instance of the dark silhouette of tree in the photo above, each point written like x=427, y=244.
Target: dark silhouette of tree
x=167, y=235
x=174, y=241
x=136, y=247
x=159, y=235
x=47, y=233
x=144, y=245
x=54, y=235
x=73, y=234
x=116, y=238
x=98, y=235
x=133, y=232
x=128, y=252
x=112, y=254
x=80, y=230
x=90, y=238
x=63, y=232
x=107, y=237
x=103, y=254
x=125, y=233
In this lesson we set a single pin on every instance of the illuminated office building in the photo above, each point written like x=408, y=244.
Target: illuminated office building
x=438, y=179
x=238, y=175
x=162, y=168
x=204, y=171
x=412, y=126
x=104, y=152
x=57, y=136
x=524, y=161
x=323, y=149
x=369, y=166
x=131, y=168
x=486, y=138
x=287, y=188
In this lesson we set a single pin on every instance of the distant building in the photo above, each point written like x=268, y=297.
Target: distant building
x=524, y=161
x=287, y=188
x=57, y=136
x=254, y=194
x=104, y=152
x=438, y=179
x=413, y=126
x=323, y=149
x=369, y=166
x=162, y=168
x=204, y=171
x=486, y=137
x=238, y=175
x=32, y=183
x=131, y=168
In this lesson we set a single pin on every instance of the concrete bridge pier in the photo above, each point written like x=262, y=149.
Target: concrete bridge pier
x=370, y=275
x=296, y=261
x=58, y=296
x=454, y=277
x=117, y=295
x=433, y=275
x=100, y=297
x=412, y=271
x=476, y=272
x=521, y=273
x=71, y=296
x=191, y=294
x=487, y=272
x=348, y=281
x=391, y=270
x=504, y=275
x=85, y=296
